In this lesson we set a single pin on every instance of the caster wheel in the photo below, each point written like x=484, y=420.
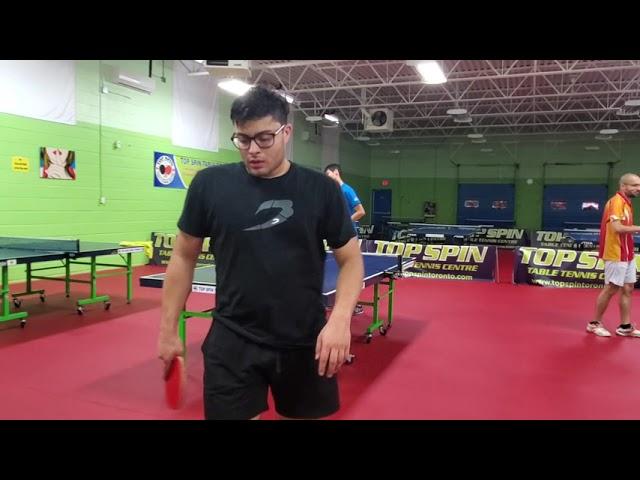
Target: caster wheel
x=383, y=331
x=80, y=310
x=23, y=323
x=107, y=305
x=350, y=359
x=369, y=338
x=17, y=302
x=42, y=298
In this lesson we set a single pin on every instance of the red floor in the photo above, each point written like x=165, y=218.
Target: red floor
x=457, y=351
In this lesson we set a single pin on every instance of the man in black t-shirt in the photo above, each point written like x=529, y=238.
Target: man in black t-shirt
x=267, y=219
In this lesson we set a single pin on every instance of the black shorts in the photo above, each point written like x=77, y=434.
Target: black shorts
x=239, y=372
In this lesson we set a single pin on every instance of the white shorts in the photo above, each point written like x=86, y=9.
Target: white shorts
x=619, y=273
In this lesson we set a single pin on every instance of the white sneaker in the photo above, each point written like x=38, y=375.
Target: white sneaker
x=600, y=331
x=630, y=332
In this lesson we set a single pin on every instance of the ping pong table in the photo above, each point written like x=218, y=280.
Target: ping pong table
x=449, y=233
x=30, y=251
x=583, y=236
x=378, y=270
x=588, y=237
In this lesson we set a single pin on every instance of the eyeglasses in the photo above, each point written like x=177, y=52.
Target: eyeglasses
x=262, y=139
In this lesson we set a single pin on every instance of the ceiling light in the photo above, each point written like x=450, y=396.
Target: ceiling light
x=486, y=150
x=394, y=151
x=314, y=118
x=479, y=140
x=608, y=131
x=456, y=111
x=592, y=147
x=331, y=118
x=603, y=137
x=287, y=97
x=430, y=71
x=462, y=119
x=475, y=135
x=234, y=86
x=622, y=112
x=363, y=138
x=634, y=102
x=373, y=144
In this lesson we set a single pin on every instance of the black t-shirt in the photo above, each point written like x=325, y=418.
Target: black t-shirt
x=267, y=238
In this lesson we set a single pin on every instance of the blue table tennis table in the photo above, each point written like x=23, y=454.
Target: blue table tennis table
x=583, y=236
x=378, y=270
x=449, y=233
x=29, y=251
x=588, y=237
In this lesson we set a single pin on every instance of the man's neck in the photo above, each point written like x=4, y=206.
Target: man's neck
x=286, y=165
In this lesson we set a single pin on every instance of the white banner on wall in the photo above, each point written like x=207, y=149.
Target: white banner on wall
x=42, y=89
x=195, y=110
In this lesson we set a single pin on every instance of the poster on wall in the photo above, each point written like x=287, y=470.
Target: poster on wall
x=175, y=171
x=57, y=163
x=429, y=209
x=20, y=164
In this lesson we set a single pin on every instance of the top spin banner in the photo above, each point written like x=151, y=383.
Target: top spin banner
x=174, y=171
x=448, y=262
x=551, y=267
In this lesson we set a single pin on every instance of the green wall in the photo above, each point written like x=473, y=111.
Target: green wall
x=141, y=123
x=429, y=173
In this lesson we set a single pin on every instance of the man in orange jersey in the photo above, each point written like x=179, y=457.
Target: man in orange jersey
x=616, y=249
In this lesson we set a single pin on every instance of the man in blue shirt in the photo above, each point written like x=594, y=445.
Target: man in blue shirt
x=354, y=205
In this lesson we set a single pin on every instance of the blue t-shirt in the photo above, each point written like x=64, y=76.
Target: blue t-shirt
x=351, y=197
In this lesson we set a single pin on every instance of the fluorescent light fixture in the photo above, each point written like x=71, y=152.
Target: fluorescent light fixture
x=331, y=118
x=478, y=140
x=474, y=135
x=287, y=97
x=621, y=112
x=634, y=102
x=431, y=72
x=592, y=147
x=608, y=131
x=456, y=111
x=234, y=86
x=314, y=118
x=486, y=150
x=462, y=119
x=373, y=144
x=363, y=138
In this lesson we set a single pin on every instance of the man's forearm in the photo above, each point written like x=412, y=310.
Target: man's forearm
x=176, y=289
x=349, y=286
x=358, y=214
x=627, y=229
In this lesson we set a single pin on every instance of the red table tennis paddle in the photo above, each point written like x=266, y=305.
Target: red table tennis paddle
x=175, y=382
